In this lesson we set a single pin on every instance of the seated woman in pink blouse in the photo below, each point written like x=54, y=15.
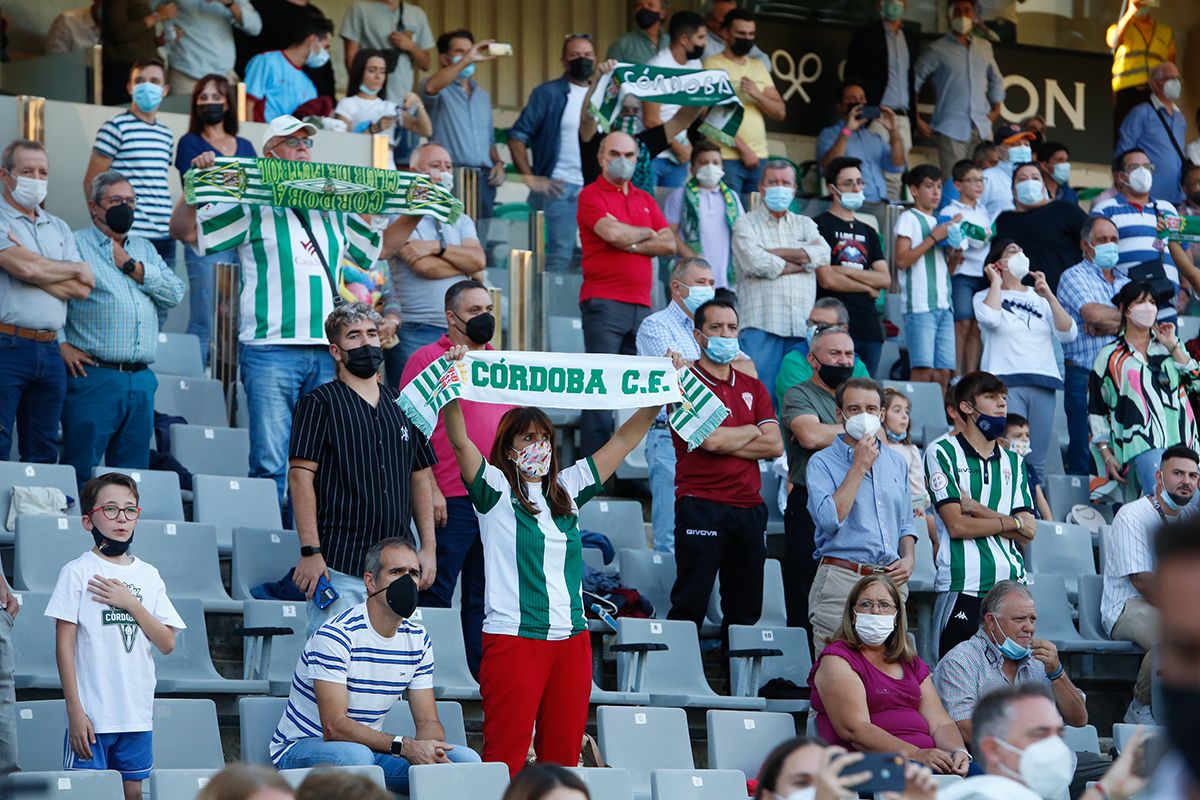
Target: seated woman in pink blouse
x=872, y=693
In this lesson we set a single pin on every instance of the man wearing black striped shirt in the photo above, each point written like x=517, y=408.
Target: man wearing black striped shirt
x=358, y=470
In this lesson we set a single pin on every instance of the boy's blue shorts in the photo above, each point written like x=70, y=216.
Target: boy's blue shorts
x=131, y=754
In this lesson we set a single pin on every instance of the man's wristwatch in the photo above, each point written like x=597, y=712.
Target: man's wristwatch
x=310, y=550
x=129, y=266
x=398, y=746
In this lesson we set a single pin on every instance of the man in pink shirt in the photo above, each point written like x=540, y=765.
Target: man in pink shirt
x=470, y=322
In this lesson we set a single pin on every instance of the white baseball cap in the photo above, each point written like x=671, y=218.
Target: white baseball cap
x=286, y=125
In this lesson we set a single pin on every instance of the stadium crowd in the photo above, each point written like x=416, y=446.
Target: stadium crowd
x=1009, y=294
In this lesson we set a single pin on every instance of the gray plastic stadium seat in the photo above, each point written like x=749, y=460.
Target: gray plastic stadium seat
x=644, y=739
x=262, y=555
x=633, y=467
x=158, y=491
x=564, y=334
x=295, y=777
x=1082, y=740
x=177, y=784
x=399, y=721
x=612, y=783
x=926, y=406
x=208, y=450
x=1064, y=491
x=674, y=676
x=17, y=473
x=185, y=554
x=652, y=574
x=1054, y=618
x=189, y=669
x=33, y=645
x=452, y=679
x=257, y=718
x=229, y=503
x=1091, y=593
x=44, y=543
x=924, y=569
x=1054, y=460
x=198, y=400
x=1122, y=732
x=1061, y=549
x=1189, y=328
x=285, y=650
x=561, y=290
x=186, y=735
x=696, y=784
x=769, y=489
x=440, y=781
x=41, y=725
x=888, y=357
x=619, y=520
x=793, y=665
x=774, y=610
x=179, y=354
x=740, y=739
x=60, y=785
x=603, y=697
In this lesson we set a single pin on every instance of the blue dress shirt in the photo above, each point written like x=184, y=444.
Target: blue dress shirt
x=1143, y=128
x=874, y=151
x=966, y=81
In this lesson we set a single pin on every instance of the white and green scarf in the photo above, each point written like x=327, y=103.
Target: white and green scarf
x=671, y=86
x=565, y=380
x=689, y=229
x=319, y=187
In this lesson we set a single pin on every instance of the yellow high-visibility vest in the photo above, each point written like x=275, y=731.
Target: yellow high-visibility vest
x=1137, y=54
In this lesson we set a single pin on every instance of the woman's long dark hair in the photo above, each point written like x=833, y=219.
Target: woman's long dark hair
x=359, y=66
x=512, y=424
x=538, y=780
x=230, y=123
x=768, y=773
x=1129, y=294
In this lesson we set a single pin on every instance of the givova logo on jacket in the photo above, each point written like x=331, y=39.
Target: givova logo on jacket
x=119, y=616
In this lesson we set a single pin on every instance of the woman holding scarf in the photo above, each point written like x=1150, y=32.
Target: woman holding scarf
x=702, y=213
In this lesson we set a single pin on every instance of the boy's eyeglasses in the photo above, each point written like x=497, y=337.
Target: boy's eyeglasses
x=111, y=512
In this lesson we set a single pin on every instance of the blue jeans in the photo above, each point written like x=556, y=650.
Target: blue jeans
x=668, y=174
x=1035, y=404
x=742, y=179
x=33, y=385
x=1145, y=466
x=561, y=226
x=275, y=377
x=351, y=591
x=460, y=553
x=869, y=353
x=767, y=351
x=413, y=336
x=314, y=752
x=1075, y=403
x=660, y=461
x=962, y=295
x=930, y=338
x=108, y=415
x=200, y=294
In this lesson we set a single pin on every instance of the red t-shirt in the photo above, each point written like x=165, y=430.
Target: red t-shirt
x=722, y=478
x=482, y=421
x=608, y=272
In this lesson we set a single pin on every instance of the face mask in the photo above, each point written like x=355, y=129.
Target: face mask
x=1062, y=172
x=30, y=192
x=852, y=201
x=1140, y=180
x=1181, y=708
x=119, y=219
x=779, y=198
x=1143, y=314
x=698, y=296
x=862, y=425
x=1194, y=197
x=580, y=69
x=833, y=375
x=709, y=175
x=1019, y=446
x=1046, y=766
x=874, y=629
x=990, y=425
x=1012, y=650
x=891, y=10
x=645, y=18
x=620, y=170
x=1172, y=504
x=210, y=113
x=695, y=53
x=741, y=47
x=110, y=547
x=1030, y=192
x=363, y=362
x=147, y=96
x=446, y=181
x=1173, y=89
x=468, y=70
x=533, y=461
x=1107, y=255
x=479, y=328
x=955, y=236
x=961, y=25
x=1019, y=153
x=722, y=349
x=895, y=438
x=318, y=59
x=1018, y=265
x=809, y=793
x=401, y=596
x=364, y=89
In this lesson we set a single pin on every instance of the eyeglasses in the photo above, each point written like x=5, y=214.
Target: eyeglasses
x=113, y=202
x=1147, y=166
x=972, y=180
x=871, y=606
x=112, y=511
x=821, y=327
x=296, y=141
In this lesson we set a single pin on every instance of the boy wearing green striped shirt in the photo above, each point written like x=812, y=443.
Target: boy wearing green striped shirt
x=981, y=492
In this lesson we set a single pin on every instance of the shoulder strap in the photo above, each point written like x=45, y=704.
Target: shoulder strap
x=303, y=218
x=1170, y=133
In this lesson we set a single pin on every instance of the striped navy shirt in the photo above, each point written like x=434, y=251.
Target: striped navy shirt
x=376, y=670
x=1138, y=228
x=141, y=151
x=365, y=457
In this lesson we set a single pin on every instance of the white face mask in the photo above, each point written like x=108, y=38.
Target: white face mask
x=1046, y=766
x=1140, y=180
x=446, y=181
x=29, y=192
x=809, y=793
x=1019, y=446
x=709, y=175
x=861, y=425
x=874, y=629
x=1018, y=265
x=1173, y=89
x=961, y=25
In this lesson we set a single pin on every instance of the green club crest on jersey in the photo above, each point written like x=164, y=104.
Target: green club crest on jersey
x=122, y=618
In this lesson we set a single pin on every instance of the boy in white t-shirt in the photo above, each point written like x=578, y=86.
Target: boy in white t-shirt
x=968, y=275
x=111, y=607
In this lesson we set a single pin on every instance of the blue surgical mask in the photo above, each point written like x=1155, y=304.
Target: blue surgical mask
x=779, y=198
x=895, y=437
x=1030, y=191
x=853, y=200
x=147, y=96
x=1014, y=651
x=722, y=349
x=1170, y=503
x=698, y=296
x=318, y=59
x=1107, y=255
x=1062, y=172
x=991, y=425
x=1020, y=154
x=468, y=70
x=364, y=89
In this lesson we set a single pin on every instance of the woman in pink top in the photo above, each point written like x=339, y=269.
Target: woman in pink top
x=872, y=693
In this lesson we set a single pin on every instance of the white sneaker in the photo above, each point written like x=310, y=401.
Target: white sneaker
x=1139, y=714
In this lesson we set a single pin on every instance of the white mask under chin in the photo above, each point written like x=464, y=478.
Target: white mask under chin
x=807, y=793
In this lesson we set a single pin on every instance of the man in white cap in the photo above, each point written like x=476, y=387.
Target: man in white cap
x=290, y=260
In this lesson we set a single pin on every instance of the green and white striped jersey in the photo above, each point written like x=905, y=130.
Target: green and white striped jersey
x=953, y=470
x=533, y=565
x=285, y=292
x=925, y=286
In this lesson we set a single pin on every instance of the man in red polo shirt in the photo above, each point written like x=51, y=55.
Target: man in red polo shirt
x=622, y=230
x=470, y=321
x=720, y=517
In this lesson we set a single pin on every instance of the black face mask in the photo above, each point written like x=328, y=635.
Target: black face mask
x=479, y=328
x=365, y=361
x=119, y=219
x=645, y=18
x=1194, y=197
x=833, y=375
x=110, y=547
x=210, y=113
x=741, y=47
x=695, y=53
x=580, y=69
x=1182, y=712
x=401, y=596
